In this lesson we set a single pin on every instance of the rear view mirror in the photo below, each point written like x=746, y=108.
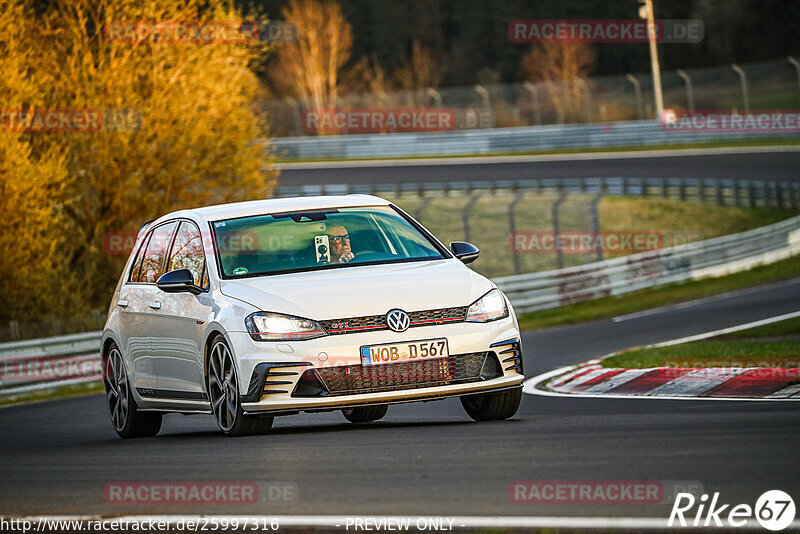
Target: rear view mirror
x=178, y=281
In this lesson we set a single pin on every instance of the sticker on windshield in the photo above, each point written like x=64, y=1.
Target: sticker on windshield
x=239, y=270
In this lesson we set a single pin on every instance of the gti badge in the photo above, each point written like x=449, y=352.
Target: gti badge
x=398, y=320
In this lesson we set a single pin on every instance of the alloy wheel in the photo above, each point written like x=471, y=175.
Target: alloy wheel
x=117, y=392
x=223, y=388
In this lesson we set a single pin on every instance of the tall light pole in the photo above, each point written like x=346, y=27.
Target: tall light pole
x=646, y=12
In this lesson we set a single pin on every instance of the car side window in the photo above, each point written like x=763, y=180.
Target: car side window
x=156, y=250
x=187, y=251
x=205, y=284
x=136, y=270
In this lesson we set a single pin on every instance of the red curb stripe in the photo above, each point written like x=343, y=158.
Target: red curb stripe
x=651, y=380
x=573, y=377
x=754, y=383
x=596, y=380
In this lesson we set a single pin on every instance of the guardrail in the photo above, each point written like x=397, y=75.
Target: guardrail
x=720, y=191
x=713, y=257
x=40, y=364
x=46, y=363
x=500, y=140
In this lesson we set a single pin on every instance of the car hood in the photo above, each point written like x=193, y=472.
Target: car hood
x=362, y=290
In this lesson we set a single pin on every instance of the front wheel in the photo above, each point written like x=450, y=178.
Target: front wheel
x=128, y=421
x=492, y=406
x=365, y=414
x=223, y=391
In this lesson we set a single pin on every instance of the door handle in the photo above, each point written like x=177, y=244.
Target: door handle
x=155, y=305
x=123, y=303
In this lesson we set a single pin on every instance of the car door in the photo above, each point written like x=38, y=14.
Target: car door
x=133, y=315
x=144, y=299
x=178, y=328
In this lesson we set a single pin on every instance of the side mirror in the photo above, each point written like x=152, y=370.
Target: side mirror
x=178, y=281
x=466, y=252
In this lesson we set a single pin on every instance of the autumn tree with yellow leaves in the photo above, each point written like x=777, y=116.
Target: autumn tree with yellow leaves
x=183, y=134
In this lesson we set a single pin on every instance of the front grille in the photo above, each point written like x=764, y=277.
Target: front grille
x=372, y=323
x=352, y=379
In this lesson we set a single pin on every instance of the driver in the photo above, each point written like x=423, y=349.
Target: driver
x=339, y=241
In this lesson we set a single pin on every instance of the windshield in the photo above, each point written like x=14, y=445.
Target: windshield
x=325, y=238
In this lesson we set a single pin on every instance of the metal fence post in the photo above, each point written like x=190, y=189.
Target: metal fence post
x=637, y=91
x=512, y=229
x=796, y=66
x=434, y=94
x=425, y=203
x=794, y=193
x=743, y=78
x=596, y=222
x=689, y=92
x=484, y=94
x=556, y=227
x=587, y=101
x=298, y=122
x=780, y=188
x=465, y=215
x=537, y=111
x=718, y=191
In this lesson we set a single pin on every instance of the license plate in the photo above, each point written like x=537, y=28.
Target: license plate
x=429, y=349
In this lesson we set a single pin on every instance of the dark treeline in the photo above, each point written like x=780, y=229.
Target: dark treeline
x=469, y=38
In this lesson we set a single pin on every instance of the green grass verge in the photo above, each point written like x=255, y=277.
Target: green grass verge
x=630, y=148
x=789, y=327
x=711, y=353
x=71, y=390
x=771, y=345
x=661, y=296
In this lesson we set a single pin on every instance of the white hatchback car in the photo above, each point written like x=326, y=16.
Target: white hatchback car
x=265, y=308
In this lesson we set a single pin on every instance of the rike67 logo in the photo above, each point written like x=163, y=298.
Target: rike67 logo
x=774, y=510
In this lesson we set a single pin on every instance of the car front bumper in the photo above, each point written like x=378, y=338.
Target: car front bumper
x=269, y=372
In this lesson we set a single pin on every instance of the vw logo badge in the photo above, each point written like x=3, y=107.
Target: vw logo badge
x=398, y=320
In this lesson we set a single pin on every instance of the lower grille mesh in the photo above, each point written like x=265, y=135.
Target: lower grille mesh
x=351, y=379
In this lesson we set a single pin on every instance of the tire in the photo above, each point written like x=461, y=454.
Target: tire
x=223, y=392
x=492, y=406
x=126, y=418
x=365, y=414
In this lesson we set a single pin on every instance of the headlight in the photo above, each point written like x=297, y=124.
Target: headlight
x=266, y=326
x=490, y=307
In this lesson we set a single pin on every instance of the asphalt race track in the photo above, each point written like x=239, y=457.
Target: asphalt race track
x=782, y=163
x=430, y=459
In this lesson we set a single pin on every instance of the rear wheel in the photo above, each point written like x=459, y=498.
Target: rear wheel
x=365, y=414
x=223, y=391
x=128, y=421
x=492, y=406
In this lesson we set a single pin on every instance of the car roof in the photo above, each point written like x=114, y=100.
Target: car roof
x=275, y=205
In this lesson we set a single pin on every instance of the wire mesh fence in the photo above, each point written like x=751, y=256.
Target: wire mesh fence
x=764, y=85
